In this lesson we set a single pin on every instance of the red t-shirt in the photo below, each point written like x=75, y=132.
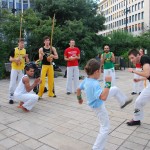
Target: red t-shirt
x=72, y=52
x=138, y=65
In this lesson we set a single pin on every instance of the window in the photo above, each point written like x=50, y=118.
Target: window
x=129, y=28
x=135, y=7
x=142, y=4
x=135, y=27
x=139, y=26
x=142, y=26
x=132, y=18
x=132, y=28
x=138, y=5
x=142, y=15
x=135, y=17
x=139, y=16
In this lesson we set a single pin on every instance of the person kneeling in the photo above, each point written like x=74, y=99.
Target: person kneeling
x=23, y=92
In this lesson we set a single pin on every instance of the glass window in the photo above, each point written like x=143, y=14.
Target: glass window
x=142, y=4
x=132, y=18
x=142, y=26
x=139, y=26
x=135, y=7
x=132, y=28
x=135, y=27
x=139, y=16
x=138, y=5
x=135, y=17
x=142, y=15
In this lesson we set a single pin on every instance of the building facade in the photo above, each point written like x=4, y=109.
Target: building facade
x=130, y=15
x=15, y=5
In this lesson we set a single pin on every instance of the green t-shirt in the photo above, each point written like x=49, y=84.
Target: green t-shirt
x=108, y=64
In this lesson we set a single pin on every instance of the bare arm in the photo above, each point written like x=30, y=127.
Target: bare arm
x=79, y=97
x=27, y=83
x=105, y=92
x=12, y=59
x=145, y=73
x=41, y=53
x=55, y=56
x=113, y=57
x=102, y=59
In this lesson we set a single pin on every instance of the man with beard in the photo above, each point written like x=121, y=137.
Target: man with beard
x=107, y=60
x=144, y=97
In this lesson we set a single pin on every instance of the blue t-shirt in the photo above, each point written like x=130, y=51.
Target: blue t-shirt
x=93, y=91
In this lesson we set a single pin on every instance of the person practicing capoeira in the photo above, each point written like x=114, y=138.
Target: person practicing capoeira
x=138, y=84
x=96, y=97
x=107, y=60
x=46, y=55
x=144, y=97
x=24, y=93
x=17, y=58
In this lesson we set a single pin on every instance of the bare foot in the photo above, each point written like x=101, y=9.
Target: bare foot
x=24, y=109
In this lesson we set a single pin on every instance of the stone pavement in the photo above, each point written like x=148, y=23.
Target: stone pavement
x=62, y=124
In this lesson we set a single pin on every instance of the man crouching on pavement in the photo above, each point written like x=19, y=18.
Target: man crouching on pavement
x=23, y=92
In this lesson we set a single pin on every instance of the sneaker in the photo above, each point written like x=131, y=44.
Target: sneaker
x=126, y=103
x=54, y=96
x=11, y=101
x=134, y=123
x=133, y=93
x=139, y=93
x=68, y=93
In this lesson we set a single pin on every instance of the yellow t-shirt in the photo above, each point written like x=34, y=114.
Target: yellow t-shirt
x=19, y=54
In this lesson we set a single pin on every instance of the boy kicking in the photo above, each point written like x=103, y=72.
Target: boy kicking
x=23, y=92
x=96, y=97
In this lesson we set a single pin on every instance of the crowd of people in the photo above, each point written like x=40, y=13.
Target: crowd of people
x=95, y=94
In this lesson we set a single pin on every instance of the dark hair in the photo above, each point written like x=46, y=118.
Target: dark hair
x=142, y=50
x=134, y=52
x=91, y=66
x=45, y=38
x=106, y=45
x=30, y=65
x=20, y=40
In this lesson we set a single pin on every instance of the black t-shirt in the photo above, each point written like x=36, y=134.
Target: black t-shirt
x=145, y=60
x=47, y=52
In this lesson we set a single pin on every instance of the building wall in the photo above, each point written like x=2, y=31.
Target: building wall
x=138, y=15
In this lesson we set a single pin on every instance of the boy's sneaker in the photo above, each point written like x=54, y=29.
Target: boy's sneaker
x=126, y=103
x=11, y=101
x=134, y=123
x=68, y=93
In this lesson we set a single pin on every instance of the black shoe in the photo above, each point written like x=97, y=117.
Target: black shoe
x=68, y=93
x=54, y=96
x=133, y=93
x=139, y=93
x=126, y=103
x=134, y=123
x=11, y=102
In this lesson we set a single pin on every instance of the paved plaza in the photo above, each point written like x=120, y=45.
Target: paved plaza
x=62, y=124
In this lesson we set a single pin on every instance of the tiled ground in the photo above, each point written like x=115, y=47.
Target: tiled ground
x=62, y=124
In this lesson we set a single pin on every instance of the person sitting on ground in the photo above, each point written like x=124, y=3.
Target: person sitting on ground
x=23, y=92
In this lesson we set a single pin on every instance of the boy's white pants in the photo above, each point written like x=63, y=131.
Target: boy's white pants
x=72, y=75
x=140, y=102
x=15, y=77
x=29, y=99
x=138, y=86
x=103, y=118
x=109, y=72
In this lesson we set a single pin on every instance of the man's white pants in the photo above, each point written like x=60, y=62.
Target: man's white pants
x=140, y=102
x=29, y=99
x=110, y=72
x=103, y=118
x=72, y=75
x=138, y=86
x=15, y=77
